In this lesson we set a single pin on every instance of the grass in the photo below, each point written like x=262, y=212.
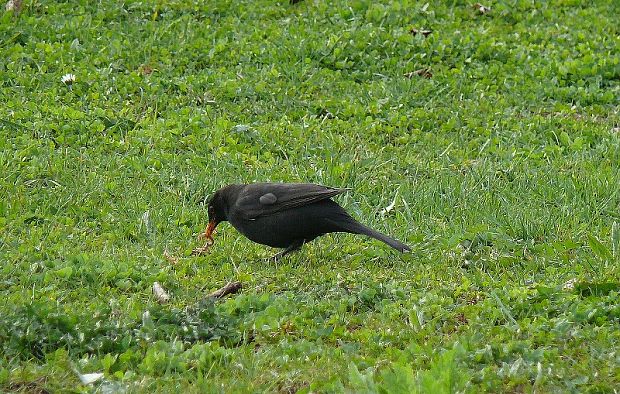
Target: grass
x=503, y=167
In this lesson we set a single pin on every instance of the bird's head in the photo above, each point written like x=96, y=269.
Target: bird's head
x=217, y=210
x=219, y=206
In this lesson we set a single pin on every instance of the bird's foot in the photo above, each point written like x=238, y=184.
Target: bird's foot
x=270, y=259
x=291, y=248
x=273, y=259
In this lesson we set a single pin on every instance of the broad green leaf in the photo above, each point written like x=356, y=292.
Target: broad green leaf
x=598, y=248
x=361, y=383
x=399, y=378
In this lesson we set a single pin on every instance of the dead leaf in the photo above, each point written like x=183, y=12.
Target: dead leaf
x=415, y=31
x=423, y=72
x=171, y=259
x=89, y=378
x=570, y=284
x=145, y=69
x=160, y=294
x=461, y=319
x=474, y=299
x=202, y=250
x=14, y=5
x=482, y=9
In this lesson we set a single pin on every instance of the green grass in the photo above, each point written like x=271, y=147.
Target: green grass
x=504, y=168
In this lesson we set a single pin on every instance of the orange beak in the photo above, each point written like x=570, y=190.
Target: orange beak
x=208, y=234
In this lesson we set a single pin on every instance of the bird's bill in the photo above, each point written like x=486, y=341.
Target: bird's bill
x=208, y=234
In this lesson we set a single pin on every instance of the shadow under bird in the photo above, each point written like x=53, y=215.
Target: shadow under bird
x=284, y=215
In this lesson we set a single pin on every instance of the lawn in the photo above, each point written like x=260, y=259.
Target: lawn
x=486, y=139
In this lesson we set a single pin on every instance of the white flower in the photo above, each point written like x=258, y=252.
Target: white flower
x=68, y=79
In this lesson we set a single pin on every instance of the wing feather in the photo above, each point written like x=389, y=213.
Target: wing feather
x=264, y=199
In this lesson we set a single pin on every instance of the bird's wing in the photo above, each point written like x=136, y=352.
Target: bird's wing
x=263, y=199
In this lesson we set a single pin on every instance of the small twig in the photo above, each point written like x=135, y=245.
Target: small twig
x=230, y=288
x=423, y=72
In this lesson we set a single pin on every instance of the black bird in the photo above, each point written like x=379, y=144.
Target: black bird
x=284, y=215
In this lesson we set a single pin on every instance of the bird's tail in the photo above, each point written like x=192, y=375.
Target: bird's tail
x=353, y=226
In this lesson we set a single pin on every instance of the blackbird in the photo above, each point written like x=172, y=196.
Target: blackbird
x=284, y=215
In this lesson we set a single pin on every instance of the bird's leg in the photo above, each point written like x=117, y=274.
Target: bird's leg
x=297, y=244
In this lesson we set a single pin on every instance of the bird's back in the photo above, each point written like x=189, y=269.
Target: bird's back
x=279, y=229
